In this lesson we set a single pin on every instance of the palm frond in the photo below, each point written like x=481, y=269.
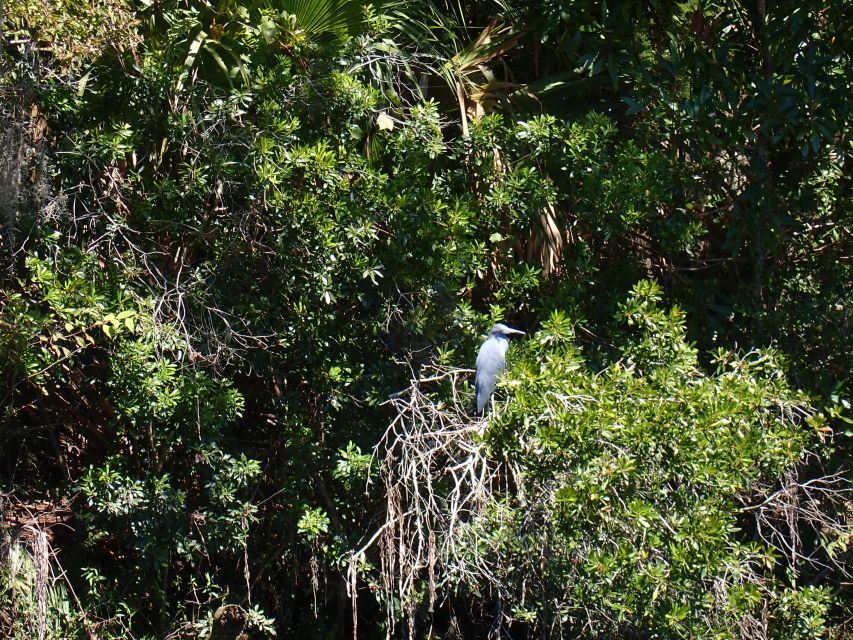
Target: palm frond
x=323, y=18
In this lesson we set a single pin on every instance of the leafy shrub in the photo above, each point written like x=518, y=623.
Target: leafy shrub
x=627, y=500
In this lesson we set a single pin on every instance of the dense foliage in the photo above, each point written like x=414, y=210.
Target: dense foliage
x=232, y=231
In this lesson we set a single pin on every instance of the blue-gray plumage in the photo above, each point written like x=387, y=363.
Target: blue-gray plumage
x=491, y=361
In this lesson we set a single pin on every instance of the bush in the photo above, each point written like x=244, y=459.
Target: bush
x=634, y=499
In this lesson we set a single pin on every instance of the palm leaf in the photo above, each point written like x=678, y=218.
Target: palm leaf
x=321, y=19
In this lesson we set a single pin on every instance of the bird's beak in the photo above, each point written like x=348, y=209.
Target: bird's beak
x=521, y=333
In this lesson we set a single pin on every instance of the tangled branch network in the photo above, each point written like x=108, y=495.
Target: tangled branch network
x=439, y=482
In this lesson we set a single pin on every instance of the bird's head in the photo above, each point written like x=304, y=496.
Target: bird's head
x=503, y=331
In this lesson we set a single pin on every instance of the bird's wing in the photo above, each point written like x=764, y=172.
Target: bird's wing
x=484, y=388
x=490, y=364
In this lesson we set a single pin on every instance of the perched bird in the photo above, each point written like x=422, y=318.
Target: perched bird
x=491, y=362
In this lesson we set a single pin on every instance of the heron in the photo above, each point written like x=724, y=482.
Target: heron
x=491, y=361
